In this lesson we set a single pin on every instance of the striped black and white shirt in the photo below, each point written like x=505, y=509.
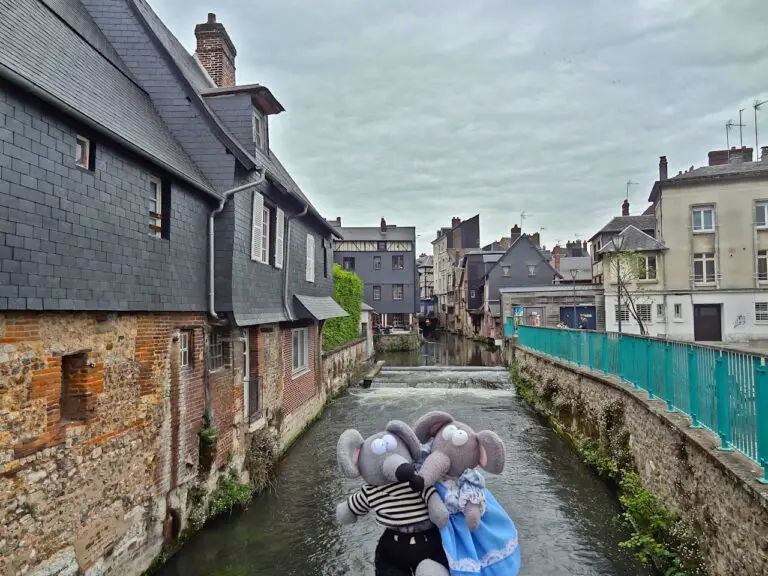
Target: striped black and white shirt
x=396, y=505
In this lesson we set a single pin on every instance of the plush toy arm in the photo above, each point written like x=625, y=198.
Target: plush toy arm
x=438, y=513
x=472, y=513
x=344, y=514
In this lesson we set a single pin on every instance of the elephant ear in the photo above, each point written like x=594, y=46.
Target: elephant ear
x=348, y=453
x=429, y=425
x=491, y=448
x=404, y=432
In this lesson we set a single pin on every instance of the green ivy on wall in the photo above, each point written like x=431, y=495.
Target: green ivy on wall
x=348, y=293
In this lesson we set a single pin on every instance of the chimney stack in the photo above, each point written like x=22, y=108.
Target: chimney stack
x=216, y=51
x=732, y=156
x=514, y=234
x=625, y=208
x=383, y=226
x=536, y=238
x=455, y=222
x=662, y=168
x=556, y=255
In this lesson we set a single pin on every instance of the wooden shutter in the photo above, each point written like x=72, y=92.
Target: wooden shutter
x=310, y=258
x=279, y=237
x=256, y=225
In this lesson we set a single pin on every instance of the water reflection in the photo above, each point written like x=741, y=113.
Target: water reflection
x=446, y=350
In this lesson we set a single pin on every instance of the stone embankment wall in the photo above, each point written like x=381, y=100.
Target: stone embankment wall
x=714, y=492
x=397, y=342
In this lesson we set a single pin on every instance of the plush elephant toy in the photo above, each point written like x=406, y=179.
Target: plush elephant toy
x=411, y=542
x=455, y=449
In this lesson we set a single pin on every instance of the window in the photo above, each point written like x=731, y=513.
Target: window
x=704, y=268
x=185, y=337
x=761, y=311
x=258, y=130
x=762, y=265
x=761, y=214
x=377, y=262
x=505, y=270
x=678, y=311
x=266, y=220
x=300, y=350
x=348, y=263
x=83, y=153
x=624, y=313
x=532, y=270
x=660, y=311
x=155, y=207
x=382, y=246
x=377, y=292
x=703, y=219
x=218, y=350
x=75, y=373
x=471, y=293
x=397, y=291
x=397, y=262
x=644, y=312
x=310, y=258
x=646, y=268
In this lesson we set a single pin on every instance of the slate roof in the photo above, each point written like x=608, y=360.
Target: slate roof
x=373, y=233
x=635, y=240
x=367, y=308
x=54, y=49
x=317, y=307
x=711, y=174
x=583, y=265
x=619, y=223
x=425, y=262
x=495, y=309
x=200, y=83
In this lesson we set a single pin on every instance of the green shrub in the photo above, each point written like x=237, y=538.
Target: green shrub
x=348, y=293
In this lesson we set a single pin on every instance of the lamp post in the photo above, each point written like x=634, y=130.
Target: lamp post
x=574, y=272
x=618, y=242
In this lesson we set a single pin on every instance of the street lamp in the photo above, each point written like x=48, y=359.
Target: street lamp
x=574, y=272
x=618, y=242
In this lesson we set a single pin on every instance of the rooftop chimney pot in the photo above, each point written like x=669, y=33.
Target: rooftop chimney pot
x=663, y=168
x=625, y=208
x=211, y=18
x=383, y=225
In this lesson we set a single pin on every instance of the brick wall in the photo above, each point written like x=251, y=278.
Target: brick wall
x=89, y=485
x=300, y=389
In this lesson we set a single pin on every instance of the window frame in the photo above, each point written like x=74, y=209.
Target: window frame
x=257, y=130
x=677, y=311
x=86, y=149
x=398, y=258
x=762, y=256
x=761, y=315
x=218, y=352
x=376, y=289
x=402, y=292
x=624, y=313
x=646, y=315
x=377, y=262
x=381, y=245
x=156, y=216
x=300, y=365
x=643, y=270
x=532, y=270
x=185, y=348
x=701, y=210
x=266, y=229
x=661, y=311
x=506, y=271
x=472, y=294
x=345, y=260
x=764, y=205
x=704, y=258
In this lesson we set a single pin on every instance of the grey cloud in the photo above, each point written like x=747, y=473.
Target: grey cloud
x=419, y=111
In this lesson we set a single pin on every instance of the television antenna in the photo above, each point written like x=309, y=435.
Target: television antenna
x=756, y=106
x=630, y=183
x=741, y=139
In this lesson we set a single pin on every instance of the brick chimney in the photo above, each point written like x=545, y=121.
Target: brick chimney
x=625, y=208
x=662, y=167
x=455, y=222
x=383, y=226
x=514, y=234
x=216, y=51
x=732, y=156
x=584, y=250
x=536, y=238
x=556, y=256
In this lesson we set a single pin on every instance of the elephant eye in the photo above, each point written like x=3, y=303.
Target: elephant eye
x=459, y=438
x=378, y=446
x=390, y=441
x=449, y=431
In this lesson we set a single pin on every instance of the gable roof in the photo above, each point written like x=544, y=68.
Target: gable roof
x=198, y=83
x=619, y=223
x=77, y=71
x=445, y=231
x=582, y=265
x=635, y=240
x=524, y=238
x=711, y=175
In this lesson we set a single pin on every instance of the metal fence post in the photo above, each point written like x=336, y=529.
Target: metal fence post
x=761, y=400
x=633, y=364
x=605, y=353
x=649, y=384
x=693, y=387
x=723, y=402
x=668, y=379
x=590, y=362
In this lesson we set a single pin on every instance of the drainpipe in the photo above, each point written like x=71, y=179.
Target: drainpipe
x=287, y=253
x=211, y=254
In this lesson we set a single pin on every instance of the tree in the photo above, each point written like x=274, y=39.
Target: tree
x=628, y=267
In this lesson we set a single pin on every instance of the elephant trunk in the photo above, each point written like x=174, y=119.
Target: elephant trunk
x=391, y=464
x=434, y=468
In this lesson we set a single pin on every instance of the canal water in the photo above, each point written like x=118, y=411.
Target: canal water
x=563, y=512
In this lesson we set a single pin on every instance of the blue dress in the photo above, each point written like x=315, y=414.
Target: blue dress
x=491, y=550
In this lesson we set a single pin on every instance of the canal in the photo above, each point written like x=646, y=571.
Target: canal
x=564, y=513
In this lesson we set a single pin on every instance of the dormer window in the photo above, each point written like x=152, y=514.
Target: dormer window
x=258, y=130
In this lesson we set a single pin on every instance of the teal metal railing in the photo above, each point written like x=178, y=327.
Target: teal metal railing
x=721, y=389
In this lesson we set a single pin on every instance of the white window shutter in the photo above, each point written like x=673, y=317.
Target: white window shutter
x=256, y=224
x=310, y=258
x=279, y=238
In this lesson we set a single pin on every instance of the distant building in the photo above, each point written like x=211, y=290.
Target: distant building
x=573, y=262
x=425, y=268
x=384, y=257
x=473, y=269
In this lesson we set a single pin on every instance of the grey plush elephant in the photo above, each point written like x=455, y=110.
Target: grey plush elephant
x=455, y=448
x=411, y=542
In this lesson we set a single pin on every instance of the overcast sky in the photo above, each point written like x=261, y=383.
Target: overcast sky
x=421, y=110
